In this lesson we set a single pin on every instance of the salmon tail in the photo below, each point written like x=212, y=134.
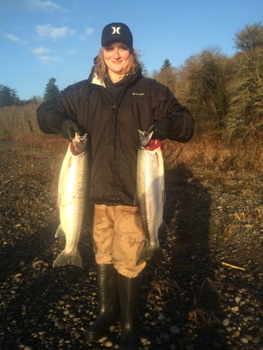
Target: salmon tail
x=144, y=255
x=60, y=232
x=148, y=254
x=67, y=259
x=136, y=200
x=163, y=228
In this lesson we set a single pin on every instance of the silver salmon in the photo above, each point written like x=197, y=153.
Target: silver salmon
x=150, y=193
x=72, y=193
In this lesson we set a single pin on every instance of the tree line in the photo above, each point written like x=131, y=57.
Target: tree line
x=9, y=97
x=223, y=93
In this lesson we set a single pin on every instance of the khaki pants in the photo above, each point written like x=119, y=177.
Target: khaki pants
x=118, y=238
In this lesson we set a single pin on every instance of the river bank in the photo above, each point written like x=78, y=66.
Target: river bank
x=207, y=295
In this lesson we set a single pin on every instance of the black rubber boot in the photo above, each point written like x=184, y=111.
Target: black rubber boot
x=108, y=297
x=129, y=291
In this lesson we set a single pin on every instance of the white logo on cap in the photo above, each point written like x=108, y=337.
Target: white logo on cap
x=116, y=30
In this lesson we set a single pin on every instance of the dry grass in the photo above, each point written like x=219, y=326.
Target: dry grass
x=34, y=155
x=220, y=157
x=18, y=120
x=203, y=318
x=164, y=287
x=203, y=312
x=54, y=143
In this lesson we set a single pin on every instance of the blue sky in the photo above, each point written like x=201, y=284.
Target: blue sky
x=41, y=39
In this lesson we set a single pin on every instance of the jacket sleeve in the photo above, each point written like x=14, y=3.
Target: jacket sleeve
x=165, y=105
x=51, y=113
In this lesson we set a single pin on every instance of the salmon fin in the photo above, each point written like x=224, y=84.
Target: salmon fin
x=149, y=254
x=60, y=232
x=144, y=255
x=66, y=259
x=163, y=228
x=135, y=199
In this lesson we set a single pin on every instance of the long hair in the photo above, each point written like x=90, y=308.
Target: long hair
x=101, y=70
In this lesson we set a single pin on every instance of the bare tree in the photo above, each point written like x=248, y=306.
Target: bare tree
x=249, y=38
x=206, y=87
x=245, y=91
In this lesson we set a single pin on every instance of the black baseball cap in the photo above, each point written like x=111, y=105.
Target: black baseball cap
x=116, y=31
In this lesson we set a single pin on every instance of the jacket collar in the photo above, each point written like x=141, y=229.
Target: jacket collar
x=95, y=80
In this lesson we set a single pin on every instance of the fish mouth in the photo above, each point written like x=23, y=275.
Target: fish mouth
x=146, y=141
x=144, y=137
x=79, y=144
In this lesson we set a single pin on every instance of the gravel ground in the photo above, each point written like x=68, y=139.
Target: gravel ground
x=207, y=295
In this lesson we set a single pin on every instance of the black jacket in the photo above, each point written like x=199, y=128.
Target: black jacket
x=113, y=129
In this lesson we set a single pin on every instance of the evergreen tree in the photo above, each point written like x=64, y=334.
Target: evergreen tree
x=166, y=64
x=8, y=96
x=144, y=70
x=167, y=75
x=51, y=89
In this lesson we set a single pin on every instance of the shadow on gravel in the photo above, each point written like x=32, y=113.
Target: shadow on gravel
x=42, y=307
x=196, y=309
x=23, y=251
